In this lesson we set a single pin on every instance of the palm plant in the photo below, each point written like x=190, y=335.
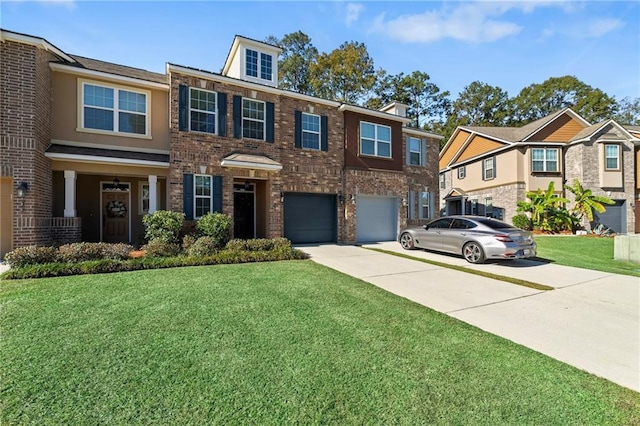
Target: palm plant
x=586, y=202
x=543, y=206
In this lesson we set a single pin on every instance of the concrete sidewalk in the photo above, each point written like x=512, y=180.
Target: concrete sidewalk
x=591, y=319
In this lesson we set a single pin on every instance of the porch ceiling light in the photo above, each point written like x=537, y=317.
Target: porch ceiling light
x=22, y=189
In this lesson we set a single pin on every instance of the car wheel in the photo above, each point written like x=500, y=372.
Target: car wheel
x=406, y=241
x=473, y=253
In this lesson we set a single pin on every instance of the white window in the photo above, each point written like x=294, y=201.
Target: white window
x=113, y=109
x=424, y=206
x=310, y=131
x=415, y=151
x=203, y=195
x=266, y=64
x=375, y=140
x=488, y=168
x=544, y=160
x=612, y=157
x=202, y=111
x=488, y=206
x=462, y=172
x=443, y=184
x=253, y=119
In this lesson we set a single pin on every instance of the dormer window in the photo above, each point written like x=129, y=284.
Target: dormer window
x=253, y=58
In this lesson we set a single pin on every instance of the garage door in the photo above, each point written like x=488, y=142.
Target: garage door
x=310, y=218
x=615, y=217
x=6, y=215
x=377, y=218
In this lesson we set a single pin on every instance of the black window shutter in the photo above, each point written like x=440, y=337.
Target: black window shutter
x=494, y=167
x=217, y=194
x=237, y=116
x=222, y=114
x=324, y=133
x=187, y=195
x=183, y=107
x=298, y=128
x=270, y=122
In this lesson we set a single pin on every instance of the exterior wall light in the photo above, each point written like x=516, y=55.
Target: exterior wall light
x=22, y=189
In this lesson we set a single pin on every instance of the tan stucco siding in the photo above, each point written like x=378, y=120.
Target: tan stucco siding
x=478, y=146
x=453, y=148
x=610, y=178
x=506, y=173
x=561, y=129
x=536, y=181
x=66, y=125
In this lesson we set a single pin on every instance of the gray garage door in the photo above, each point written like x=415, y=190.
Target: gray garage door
x=310, y=218
x=377, y=218
x=615, y=217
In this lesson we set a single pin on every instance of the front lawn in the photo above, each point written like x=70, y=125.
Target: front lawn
x=584, y=252
x=270, y=343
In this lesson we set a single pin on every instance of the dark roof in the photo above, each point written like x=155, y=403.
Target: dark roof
x=121, y=70
x=108, y=153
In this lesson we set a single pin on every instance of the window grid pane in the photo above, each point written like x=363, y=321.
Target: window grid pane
x=612, y=157
x=131, y=123
x=252, y=63
x=203, y=111
x=253, y=122
x=424, y=205
x=375, y=140
x=415, y=151
x=109, y=109
x=265, y=67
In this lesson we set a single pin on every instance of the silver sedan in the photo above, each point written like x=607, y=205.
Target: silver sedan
x=476, y=238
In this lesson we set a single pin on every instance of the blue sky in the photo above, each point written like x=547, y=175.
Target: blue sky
x=505, y=44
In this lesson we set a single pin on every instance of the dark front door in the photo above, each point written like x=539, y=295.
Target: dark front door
x=244, y=215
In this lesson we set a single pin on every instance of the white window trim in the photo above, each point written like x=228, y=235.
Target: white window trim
x=258, y=78
x=376, y=141
x=424, y=205
x=141, y=210
x=474, y=206
x=617, y=157
x=80, y=128
x=545, y=160
x=196, y=196
x=264, y=121
x=462, y=172
x=419, y=151
x=215, y=113
x=485, y=169
x=319, y=132
x=488, y=202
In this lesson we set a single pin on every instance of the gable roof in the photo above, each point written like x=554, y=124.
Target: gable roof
x=479, y=138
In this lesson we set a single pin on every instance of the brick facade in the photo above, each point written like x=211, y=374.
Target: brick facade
x=25, y=114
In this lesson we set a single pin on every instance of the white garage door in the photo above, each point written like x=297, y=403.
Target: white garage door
x=377, y=218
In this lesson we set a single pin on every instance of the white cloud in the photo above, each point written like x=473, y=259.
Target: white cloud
x=602, y=26
x=353, y=12
x=69, y=4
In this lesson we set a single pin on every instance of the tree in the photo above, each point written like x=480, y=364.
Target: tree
x=295, y=63
x=585, y=202
x=539, y=100
x=628, y=111
x=546, y=209
x=427, y=104
x=479, y=104
x=345, y=75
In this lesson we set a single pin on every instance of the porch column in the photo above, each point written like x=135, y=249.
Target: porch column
x=153, y=193
x=69, y=193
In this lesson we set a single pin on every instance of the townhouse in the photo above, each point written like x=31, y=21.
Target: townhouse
x=87, y=148
x=486, y=170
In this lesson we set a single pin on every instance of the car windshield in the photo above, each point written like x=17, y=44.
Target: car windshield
x=495, y=224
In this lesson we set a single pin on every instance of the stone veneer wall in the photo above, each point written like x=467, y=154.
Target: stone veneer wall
x=25, y=114
x=503, y=197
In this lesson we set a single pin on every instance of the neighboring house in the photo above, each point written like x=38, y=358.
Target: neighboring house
x=486, y=170
x=87, y=148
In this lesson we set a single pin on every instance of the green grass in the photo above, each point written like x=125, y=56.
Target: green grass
x=270, y=343
x=584, y=252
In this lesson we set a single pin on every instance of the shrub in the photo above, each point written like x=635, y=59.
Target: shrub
x=187, y=241
x=118, y=251
x=522, y=221
x=217, y=226
x=160, y=248
x=163, y=225
x=259, y=244
x=80, y=252
x=204, y=246
x=31, y=255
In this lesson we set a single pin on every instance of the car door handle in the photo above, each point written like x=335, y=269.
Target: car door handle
x=464, y=234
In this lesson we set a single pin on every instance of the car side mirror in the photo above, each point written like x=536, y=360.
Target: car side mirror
x=425, y=227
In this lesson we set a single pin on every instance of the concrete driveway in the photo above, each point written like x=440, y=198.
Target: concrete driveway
x=590, y=320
